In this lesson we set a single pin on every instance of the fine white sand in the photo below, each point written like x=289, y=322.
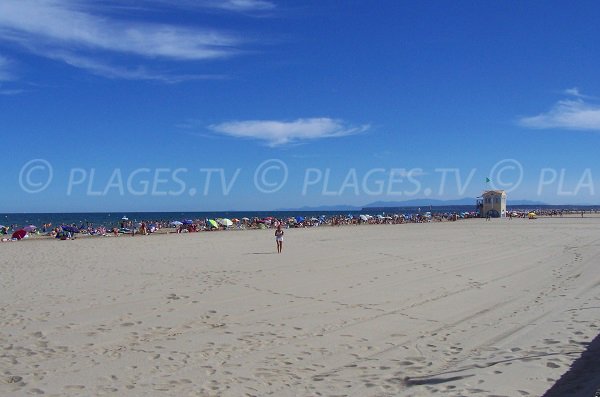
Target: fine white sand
x=470, y=308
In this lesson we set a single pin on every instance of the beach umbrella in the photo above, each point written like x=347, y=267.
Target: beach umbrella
x=225, y=222
x=313, y=219
x=236, y=220
x=212, y=223
x=19, y=234
x=187, y=222
x=30, y=228
x=299, y=219
x=176, y=223
x=245, y=219
x=364, y=218
x=124, y=218
x=71, y=229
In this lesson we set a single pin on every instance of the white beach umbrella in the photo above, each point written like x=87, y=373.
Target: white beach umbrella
x=176, y=223
x=364, y=218
x=225, y=222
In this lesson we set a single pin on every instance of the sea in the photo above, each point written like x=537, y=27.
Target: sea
x=111, y=219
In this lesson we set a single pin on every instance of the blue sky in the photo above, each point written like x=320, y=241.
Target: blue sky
x=258, y=104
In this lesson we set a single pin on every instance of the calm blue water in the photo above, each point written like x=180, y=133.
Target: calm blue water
x=112, y=219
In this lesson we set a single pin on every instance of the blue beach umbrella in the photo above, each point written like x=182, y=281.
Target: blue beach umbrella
x=299, y=219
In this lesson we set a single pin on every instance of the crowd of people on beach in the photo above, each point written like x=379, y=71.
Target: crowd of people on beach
x=146, y=227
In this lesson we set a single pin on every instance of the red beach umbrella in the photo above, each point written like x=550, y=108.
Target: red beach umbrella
x=19, y=234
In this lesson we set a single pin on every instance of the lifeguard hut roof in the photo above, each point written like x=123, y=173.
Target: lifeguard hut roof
x=493, y=193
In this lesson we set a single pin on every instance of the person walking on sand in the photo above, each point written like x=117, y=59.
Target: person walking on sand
x=279, y=238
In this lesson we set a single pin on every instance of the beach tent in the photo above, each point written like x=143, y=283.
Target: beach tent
x=176, y=223
x=30, y=228
x=299, y=219
x=19, y=234
x=262, y=226
x=532, y=215
x=212, y=223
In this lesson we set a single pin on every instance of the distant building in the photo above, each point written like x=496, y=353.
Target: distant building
x=492, y=202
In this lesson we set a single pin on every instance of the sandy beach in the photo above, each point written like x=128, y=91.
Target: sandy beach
x=470, y=308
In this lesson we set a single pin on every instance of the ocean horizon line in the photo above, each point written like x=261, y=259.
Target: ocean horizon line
x=303, y=209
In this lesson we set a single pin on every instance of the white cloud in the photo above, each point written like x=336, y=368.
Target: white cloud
x=73, y=31
x=276, y=133
x=567, y=114
x=62, y=23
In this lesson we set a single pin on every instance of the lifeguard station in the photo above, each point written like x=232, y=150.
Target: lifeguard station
x=492, y=203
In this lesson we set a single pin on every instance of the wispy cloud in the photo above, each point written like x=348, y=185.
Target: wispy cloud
x=101, y=68
x=71, y=27
x=5, y=73
x=277, y=133
x=242, y=6
x=10, y=92
x=574, y=92
x=569, y=114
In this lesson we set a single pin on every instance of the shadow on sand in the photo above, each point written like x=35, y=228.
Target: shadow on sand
x=583, y=378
